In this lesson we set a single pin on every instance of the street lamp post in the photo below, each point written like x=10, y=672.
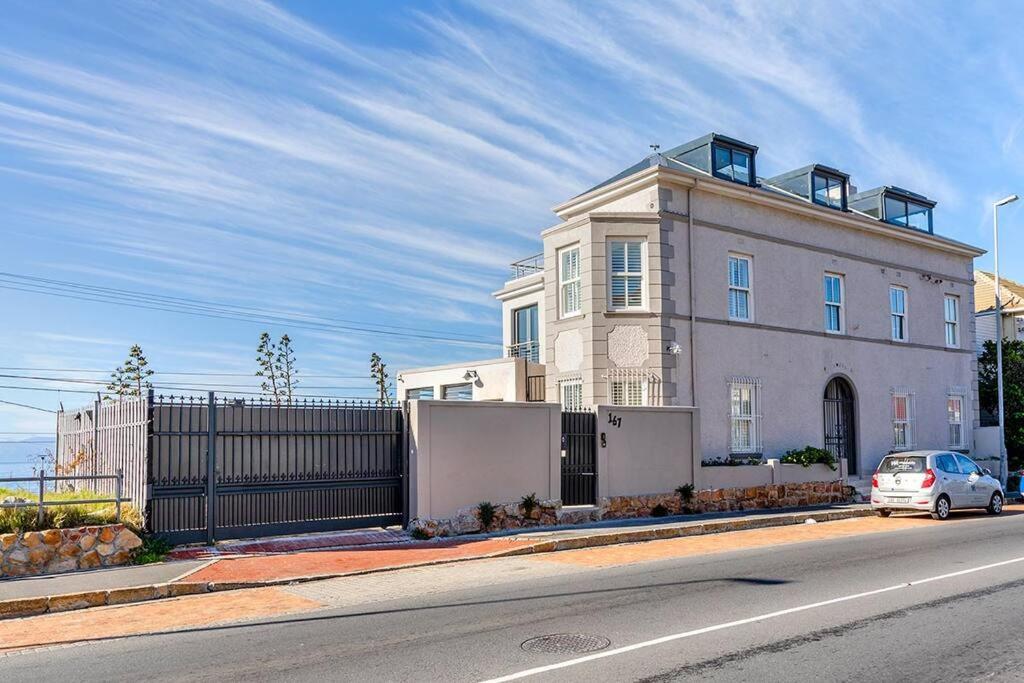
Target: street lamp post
x=1003, y=466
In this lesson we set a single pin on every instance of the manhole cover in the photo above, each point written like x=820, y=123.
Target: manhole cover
x=560, y=643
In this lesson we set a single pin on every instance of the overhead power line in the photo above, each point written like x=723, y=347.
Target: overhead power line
x=197, y=385
x=24, y=405
x=209, y=309
x=169, y=373
x=182, y=389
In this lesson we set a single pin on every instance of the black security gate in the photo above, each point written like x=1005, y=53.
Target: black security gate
x=231, y=468
x=579, y=458
x=840, y=435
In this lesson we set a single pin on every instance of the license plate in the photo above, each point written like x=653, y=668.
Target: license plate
x=898, y=499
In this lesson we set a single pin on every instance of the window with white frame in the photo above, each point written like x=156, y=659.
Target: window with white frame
x=902, y=419
x=627, y=392
x=569, y=279
x=457, y=392
x=834, y=303
x=626, y=274
x=744, y=415
x=740, y=288
x=955, y=418
x=898, y=313
x=571, y=393
x=951, y=306
x=420, y=394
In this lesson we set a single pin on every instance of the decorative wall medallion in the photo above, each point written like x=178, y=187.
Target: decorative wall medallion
x=627, y=346
x=569, y=351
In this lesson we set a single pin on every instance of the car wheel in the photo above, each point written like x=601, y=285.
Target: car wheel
x=941, y=508
x=995, y=506
x=883, y=513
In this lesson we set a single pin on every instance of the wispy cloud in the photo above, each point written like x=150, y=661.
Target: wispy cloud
x=293, y=161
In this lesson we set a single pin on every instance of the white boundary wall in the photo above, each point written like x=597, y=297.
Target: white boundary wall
x=642, y=450
x=465, y=452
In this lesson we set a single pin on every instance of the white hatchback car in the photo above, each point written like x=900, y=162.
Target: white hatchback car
x=935, y=482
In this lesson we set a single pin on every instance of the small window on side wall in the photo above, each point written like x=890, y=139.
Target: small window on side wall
x=898, y=313
x=628, y=392
x=457, y=392
x=902, y=420
x=420, y=394
x=740, y=304
x=955, y=418
x=571, y=394
x=569, y=281
x=835, y=304
x=627, y=279
x=951, y=313
x=744, y=416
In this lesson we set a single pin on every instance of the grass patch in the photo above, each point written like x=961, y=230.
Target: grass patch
x=153, y=549
x=64, y=516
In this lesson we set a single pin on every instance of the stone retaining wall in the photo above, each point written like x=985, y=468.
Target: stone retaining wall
x=54, y=551
x=551, y=512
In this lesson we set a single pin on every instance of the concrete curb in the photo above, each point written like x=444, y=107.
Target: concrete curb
x=30, y=607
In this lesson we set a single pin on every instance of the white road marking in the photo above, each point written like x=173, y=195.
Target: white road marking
x=741, y=622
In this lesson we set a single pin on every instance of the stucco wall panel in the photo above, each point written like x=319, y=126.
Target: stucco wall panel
x=462, y=453
x=646, y=450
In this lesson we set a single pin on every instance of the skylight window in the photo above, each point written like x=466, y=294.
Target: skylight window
x=731, y=164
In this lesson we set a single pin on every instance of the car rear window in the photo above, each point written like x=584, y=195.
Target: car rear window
x=895, y=464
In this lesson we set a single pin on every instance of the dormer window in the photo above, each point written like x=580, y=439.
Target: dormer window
x=717, y=155
x=896, y=206
x=829, y=191
x=910, y=214
x=818, y=184
x=732, y=164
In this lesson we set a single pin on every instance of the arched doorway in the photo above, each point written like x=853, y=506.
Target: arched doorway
x=840, y=428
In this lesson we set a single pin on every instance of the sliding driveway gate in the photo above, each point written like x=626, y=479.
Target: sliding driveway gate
x=230, y=468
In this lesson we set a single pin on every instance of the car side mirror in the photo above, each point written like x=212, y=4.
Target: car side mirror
x=987, y=471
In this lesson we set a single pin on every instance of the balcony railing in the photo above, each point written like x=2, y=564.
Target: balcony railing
x=528, y=266
x=529, y=350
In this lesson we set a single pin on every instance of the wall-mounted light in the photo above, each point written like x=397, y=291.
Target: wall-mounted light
x=471, y=375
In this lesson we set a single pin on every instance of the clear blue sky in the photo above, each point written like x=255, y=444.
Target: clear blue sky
x=381, y=163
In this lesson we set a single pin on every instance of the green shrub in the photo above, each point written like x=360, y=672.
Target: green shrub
x=485, y=513
x=685, y=493
x=153, y=549
x=809, y=455
x=659, y=510
x=529, y=503
x=732, y=461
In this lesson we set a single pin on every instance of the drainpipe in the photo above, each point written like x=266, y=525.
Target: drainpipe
x=693, y=296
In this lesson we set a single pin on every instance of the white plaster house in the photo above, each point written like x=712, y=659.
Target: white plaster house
x=791, y=310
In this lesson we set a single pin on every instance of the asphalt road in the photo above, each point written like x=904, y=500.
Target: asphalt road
x=838, y=610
